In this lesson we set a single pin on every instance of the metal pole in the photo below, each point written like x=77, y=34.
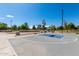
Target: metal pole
x=62, y=19
x=11, y=24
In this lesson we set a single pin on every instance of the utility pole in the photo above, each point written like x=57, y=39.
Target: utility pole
x=11, y=24
x=62, y=19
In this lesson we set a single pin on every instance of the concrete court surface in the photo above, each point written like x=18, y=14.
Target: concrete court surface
x=38, y=45
x=5, y=47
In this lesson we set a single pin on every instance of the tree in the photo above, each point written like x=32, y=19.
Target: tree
x=39, y=27
x=33, y=27
x=52, y=27
x=71, y=26
x=43, y=24
x=60, y=28
x=66, y=26
x=3, y=26
x=19, y=27
x=14, y=27
x=43, y=27
x=77, y=27
x=24, y=26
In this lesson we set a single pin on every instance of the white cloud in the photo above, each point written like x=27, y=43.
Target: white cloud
x=10, y=16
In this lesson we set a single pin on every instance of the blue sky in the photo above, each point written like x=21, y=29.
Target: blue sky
x=33, y=13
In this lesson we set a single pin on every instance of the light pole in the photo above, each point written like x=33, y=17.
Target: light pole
x=11, y=23
x=10, y=17
x=62, y=19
